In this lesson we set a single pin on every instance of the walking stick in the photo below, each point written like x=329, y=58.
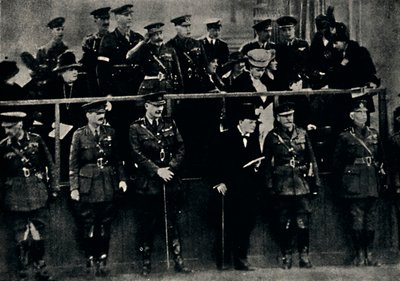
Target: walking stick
x=162, y=158
x=222, y=231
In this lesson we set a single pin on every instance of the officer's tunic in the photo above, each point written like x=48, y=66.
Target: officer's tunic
x=116, y=75
x=154, y=148
x=90, y=48
x=356, y=169
x=24, y=180
x=160, y=65
x=47, y=54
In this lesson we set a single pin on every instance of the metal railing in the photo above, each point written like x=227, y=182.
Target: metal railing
x=382, y=106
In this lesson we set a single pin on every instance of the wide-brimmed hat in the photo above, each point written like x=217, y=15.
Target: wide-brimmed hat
x=65, y=61
x=259, y=57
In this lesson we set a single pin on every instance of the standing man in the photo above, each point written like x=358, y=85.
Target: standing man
x=47, y=54
x=158, y=63
x=26, y=167
x=158, y=151
x=238, y=183
x=96, y=175
x=290, y=166
x=91, y=45
x=116, y=74
x=291, y=55
x=191, y=54
x=263, y=30
x=213, y=46
x=357, y=163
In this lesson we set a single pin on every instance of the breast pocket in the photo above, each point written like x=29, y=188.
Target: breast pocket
x=351, y=180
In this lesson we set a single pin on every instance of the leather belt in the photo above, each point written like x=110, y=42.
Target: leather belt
x=368, y=160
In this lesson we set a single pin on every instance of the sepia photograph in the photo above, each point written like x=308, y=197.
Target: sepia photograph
x=199, y=140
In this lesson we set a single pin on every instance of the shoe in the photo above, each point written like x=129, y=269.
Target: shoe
x=42, y=273
x=286, y=261
x=358, y=259
x=241, y=264
x=304, y=260
x=90, y=268
x=146, y=259
x=370, y=261
x=101, y=267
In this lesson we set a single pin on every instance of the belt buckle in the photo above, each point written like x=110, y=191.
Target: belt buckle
x=26, y=171
x=161, y=76
x=100, y=163
x=292, y=163
x=368, y=160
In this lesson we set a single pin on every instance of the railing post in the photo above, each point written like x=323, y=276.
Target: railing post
x=57, y=143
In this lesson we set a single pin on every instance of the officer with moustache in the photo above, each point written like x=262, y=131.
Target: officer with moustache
x=158, y=63
x=27, y=175
x=291, y=173
x=96, y=175
x=158, y=152
x=91, y=45
x=358, y=164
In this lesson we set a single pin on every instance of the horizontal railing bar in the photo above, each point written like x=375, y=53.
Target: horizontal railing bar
x=187, y=96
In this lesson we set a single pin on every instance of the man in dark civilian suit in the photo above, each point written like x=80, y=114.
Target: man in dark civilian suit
x=237, y=181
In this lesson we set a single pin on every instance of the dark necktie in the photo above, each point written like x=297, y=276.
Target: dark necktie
x=154, y=126
x=96, y=135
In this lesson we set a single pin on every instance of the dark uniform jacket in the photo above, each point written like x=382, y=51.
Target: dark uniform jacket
x=23, y=172
x=90, y=48
x=395, y=161
x=192, y=60
x=116, y=75
x=292, y=61
x=359, y=70
x=256, y=45
x=218, y=50
x=158, y=61
x=287, y=161
x=230, y=156
x=47, y=55
x=95, y=168
x=355, y=167
x=150, y=147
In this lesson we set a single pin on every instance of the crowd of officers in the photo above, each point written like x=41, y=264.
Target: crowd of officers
x=248, y=144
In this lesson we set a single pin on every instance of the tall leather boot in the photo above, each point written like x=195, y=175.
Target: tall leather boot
x=145, y=250
x=370, y=260
x=303, y=241
x=178, y=259
x=357, y=242
x=102, y=241
x=42, y=273
x=23, y=259
x=286, y=241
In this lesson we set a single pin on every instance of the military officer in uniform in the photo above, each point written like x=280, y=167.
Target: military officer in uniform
x=91, y=45
x=191, y=54
x=357, y=163
x=158, y=152
x=213, y=46
x=291, y=55
x=27, y=175
x=47, y=54
x=263, y=30
x=239, y=183
x=116, y=74
x=96, y=175
x=158, y=63
x=290, y=167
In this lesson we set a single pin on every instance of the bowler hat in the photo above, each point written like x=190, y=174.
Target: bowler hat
x=8, y=69
x=65, y=61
